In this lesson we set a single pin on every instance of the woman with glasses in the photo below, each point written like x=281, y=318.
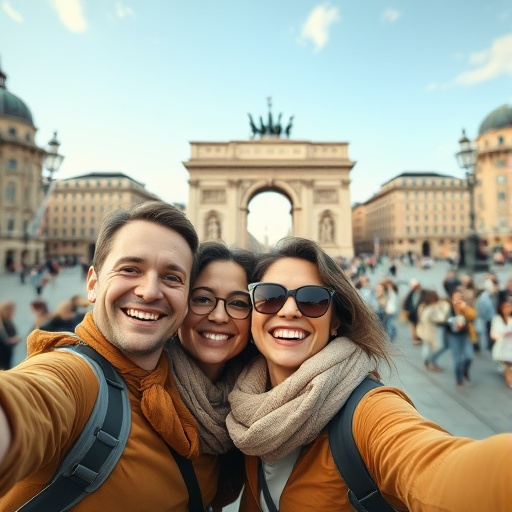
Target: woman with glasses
x=211, y=349
x=318, y=341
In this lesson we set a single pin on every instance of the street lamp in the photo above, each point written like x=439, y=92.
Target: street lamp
x=466, y=159
x=51, y=162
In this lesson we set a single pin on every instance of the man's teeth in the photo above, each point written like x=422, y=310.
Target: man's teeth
x=142, y=315
x=289, y=334
x=215, y=336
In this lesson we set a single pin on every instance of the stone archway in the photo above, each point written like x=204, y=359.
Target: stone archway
x=315, y=177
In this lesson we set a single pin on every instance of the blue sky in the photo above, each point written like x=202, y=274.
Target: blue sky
x=129, y=83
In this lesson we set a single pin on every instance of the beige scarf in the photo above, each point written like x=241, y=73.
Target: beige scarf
x=271, y=424
x=207, y=401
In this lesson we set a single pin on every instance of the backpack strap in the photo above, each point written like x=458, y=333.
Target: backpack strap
x=99, y=446
x=363, y=493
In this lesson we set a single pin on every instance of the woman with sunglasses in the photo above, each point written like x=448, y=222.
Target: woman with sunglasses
x=318, y=341
x=211, y=349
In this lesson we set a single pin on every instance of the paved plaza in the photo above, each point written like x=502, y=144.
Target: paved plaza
x=478, y=411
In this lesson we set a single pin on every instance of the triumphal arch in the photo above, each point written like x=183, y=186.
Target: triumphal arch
x=314, y=176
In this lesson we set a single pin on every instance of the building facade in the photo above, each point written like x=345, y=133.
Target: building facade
x=20, y=183
x=493, y=171
x=423, y=213
x=76, y=207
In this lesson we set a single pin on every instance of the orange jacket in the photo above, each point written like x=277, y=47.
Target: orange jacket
x=416, y=464
x=48, y=399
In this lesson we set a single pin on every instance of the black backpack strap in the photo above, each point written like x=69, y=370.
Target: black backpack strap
x=262, y=484
x=99, y=446
x=363, y=493
x=195, y=500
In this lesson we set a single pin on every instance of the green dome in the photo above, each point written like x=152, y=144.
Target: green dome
x=12, y=106
x=498, y=118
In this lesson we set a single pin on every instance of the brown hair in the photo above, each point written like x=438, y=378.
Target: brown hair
x=430, y=297
x=357, y=321
x=159, y=212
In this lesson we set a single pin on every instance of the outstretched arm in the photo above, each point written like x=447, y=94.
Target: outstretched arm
x=5, y=434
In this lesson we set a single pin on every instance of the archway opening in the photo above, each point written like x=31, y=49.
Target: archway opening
x=269, y=218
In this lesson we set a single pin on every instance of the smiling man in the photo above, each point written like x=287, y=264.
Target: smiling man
x=139, y=285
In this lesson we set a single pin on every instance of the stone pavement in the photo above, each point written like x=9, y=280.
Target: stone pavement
x=478, y=411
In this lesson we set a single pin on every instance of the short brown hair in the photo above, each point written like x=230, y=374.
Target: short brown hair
x=159, y=212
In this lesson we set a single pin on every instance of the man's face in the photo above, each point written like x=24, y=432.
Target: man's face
x=140, y=294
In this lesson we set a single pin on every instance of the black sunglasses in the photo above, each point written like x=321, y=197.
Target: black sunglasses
x=312, y=300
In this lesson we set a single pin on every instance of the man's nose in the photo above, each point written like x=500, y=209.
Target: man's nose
x=149, y=287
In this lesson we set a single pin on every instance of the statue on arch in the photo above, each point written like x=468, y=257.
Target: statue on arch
x=288, y=129
x=212, y=228
x=326, y=230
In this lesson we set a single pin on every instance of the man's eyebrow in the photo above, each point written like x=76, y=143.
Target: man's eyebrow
x=137, y=259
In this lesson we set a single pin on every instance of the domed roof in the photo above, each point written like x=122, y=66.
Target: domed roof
x=11, y=105
x=498, y=118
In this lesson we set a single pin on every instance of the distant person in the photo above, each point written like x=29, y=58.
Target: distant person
x=458, y=335
x=450, y=282
x=9, y=337
x=432, y=315
x=64, y=318
x=410, y=306
x=501, y=334
x=41, y=313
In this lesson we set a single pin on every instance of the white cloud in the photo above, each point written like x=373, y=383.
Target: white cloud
x=123, y=11
x=71, y=14
x=494, y=62
x=391, y=15
x=317, y=25
x=11, y=12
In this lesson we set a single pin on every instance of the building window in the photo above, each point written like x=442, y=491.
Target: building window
x=501, y=178
x=502, y=196
x=500, y=140
x=10, y=193
x=10, y=224
x=12, y=164
x=91, y=232
x=503, y=222
x=12, y=131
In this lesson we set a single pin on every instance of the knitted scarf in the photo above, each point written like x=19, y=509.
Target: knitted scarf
x=207, y=401
x=159, y=398
x=271, y=424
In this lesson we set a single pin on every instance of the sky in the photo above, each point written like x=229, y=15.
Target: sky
x=128, y=84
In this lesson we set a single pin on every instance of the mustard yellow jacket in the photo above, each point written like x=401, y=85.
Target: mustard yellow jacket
x=417, y=465
x=48, y=399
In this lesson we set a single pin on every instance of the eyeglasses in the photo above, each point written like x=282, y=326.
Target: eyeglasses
x=203, y=302
x=312, y=301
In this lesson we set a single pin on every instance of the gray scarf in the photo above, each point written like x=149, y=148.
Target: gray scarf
x=207, y=401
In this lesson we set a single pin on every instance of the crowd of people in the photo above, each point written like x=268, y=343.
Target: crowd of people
x=462, y=319
x=235, y=365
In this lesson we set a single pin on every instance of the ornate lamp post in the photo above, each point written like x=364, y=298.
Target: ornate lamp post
x=466, y=159
x=52, y=162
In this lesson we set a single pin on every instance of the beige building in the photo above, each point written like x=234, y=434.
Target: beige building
x=76, y=207
x=314, y=177
x=20, y=183
x=493, y=191
x=425, y=213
